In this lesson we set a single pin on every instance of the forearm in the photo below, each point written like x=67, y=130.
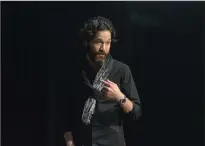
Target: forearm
x=131, y=108
x=127, y=106
x=69, y=138
x=68, y=135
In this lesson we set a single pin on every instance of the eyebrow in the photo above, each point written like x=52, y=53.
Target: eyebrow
x=101, y=39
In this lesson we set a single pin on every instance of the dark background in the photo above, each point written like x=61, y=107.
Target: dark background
x=160, y=41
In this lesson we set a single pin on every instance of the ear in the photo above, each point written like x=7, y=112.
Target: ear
x=85, y=43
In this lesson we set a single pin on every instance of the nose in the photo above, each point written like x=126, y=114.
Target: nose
x=102, y=48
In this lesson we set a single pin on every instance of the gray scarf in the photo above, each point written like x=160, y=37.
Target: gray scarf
x=90, y=104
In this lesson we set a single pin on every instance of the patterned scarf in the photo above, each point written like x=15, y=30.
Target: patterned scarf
x=90, y=104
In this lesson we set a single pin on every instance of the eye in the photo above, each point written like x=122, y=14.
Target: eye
x=97, y=42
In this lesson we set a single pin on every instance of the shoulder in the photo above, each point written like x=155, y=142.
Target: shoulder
x=119, y=65
x=124, y=70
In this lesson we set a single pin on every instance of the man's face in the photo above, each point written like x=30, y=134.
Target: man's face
x=100, y=46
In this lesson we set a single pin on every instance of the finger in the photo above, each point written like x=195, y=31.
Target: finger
x=110, y=82
x=106, y=83
x=105, y=91
x=105, y=88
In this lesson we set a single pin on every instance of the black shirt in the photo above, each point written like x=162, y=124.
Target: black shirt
x=106, y=128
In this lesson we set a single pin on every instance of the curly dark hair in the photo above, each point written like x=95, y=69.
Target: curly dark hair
x=94, y=24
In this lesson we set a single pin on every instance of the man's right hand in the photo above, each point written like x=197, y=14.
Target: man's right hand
x=70, y=143
x=69, y=138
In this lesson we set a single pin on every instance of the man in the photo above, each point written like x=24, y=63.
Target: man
x=107, y=92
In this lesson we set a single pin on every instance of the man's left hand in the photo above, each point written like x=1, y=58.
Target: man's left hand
x=111, y=90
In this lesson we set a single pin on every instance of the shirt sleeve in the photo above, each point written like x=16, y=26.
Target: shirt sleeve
x=128, y=88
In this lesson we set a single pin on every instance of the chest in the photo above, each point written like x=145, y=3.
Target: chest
x=115, y=75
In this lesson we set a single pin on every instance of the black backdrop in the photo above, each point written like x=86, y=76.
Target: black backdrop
x=160, y=41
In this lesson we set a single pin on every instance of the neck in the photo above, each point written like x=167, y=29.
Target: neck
x=94, y=65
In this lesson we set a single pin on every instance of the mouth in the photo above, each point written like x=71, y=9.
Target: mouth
x=100, y=55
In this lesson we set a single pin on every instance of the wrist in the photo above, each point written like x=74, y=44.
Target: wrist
x=120, y=97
